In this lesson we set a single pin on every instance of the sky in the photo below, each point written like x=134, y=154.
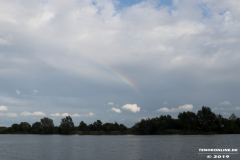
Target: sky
x=120, y=61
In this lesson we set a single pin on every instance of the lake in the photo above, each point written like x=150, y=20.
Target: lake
x=117, y=147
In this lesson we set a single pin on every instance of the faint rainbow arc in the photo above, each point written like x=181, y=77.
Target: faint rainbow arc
x=115, y=73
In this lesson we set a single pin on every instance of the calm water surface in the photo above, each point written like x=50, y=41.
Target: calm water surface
x=59, y=147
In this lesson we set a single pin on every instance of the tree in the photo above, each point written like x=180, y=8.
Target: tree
x=237, y=121
x=37, y=128
x=66, y=125
x=15, y=127
x=116, y=126
x=108, y=127
x=122, y=127
x=233, y=117
x=219, y=122
x=206, y=119
x=82, y=126
x=24, y=126
x=98, y=125
x=187, y=120
x=47, y=125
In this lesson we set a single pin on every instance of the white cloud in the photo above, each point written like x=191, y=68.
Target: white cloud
x=35, y=92
x=4, y=42
x=72, y=115
x=75, y=115
x=18, y=92
x=9, y=114
x=25, y=113
x=225, y=103
x=65, y=114
x=163, y=40
x=10, y=100
x=116, y=110
x=90, y=114
x=237, y=108
x=41, y=20
x=185, y=107
x=39, y=113
x=225, y=113
x=131, y=107
x=165, y=109
x=3, y=108
x=110, y=103
x=55, y=114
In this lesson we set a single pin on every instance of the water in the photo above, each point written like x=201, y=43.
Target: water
x=60, y=147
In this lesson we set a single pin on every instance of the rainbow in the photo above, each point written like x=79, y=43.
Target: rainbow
x=115, y=73
x=109, y=69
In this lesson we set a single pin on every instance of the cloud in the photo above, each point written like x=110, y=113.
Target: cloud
x=185, y=107
x=131, y=107
x=233, y=108
x=55, y=114
x=75, y=115
x=72, y=115
x=225, y=103
x=90, y=114
x=165, y=109
x=9, y=114
x=164, y=44
x=18, y=92
x=110, y=103
x=116, y=110
x=25, y=113
x=35, y=92
x=225, y=113
x=4, y=42
x=3, y=108
x=65, y=114
x=14, y=101
x=165, y=102
x=237, y=108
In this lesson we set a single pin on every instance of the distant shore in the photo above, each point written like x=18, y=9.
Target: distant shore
x=188, y=123
x=166, y=132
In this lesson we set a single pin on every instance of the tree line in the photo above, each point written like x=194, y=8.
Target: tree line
x=46, y=126
x=204, y=122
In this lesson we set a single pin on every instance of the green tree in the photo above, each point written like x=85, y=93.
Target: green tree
x=47, y=125
x=219, y=123
x=82, y=126
x=188, y=120
x=24, y=126
x=15, y=127
x=98, y=125
x=116, y=126
x=122, y=127
x=233, y=117
x=91, y=127
x=237, y=121
x=108, y=127
x=37, y=128
x=206, y=119
x=66, y=125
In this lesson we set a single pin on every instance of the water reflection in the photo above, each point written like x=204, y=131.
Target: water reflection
x=60, y=147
